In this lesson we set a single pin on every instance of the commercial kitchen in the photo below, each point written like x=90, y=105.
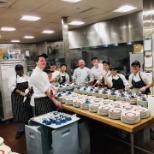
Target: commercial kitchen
x=76, y=76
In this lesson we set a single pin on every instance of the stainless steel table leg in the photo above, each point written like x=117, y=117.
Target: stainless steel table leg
x=132, y=142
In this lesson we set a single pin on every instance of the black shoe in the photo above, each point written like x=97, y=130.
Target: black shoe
x=19, y=134
x=152, y=136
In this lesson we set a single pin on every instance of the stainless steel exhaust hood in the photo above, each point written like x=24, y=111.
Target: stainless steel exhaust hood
x=128, y=28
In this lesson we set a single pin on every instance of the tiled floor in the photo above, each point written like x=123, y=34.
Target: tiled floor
x=100, y=144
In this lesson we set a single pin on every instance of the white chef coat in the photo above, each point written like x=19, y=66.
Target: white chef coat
x=117, y=77
x=106, y=73
x=96, y=72
x=17, y=79
x=81, y=75
x=66, y=75
x=55, y=75
x=40, y=83
x=137, y=78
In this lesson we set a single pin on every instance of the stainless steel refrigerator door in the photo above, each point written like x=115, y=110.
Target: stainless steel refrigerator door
x=6, y=71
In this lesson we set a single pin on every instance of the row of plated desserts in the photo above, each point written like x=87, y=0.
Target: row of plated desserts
x=124, y=106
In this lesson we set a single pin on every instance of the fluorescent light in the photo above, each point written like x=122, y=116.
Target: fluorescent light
x=30, y=18
x=15, y=40
x=7, y=29
x=72, y=1
x=125, y=8
x=28, y=37
x=48, y=31
x=75, y=22
x=129, y=43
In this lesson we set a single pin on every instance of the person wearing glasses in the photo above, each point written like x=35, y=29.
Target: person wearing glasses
x=19, y=84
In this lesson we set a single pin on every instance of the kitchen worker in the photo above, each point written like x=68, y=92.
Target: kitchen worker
x=49, y=73
x=19, y=84
x=55, y=74
x=44, y=100
x=116, y=80
x=64, y=77
x=138, y=80
x=95, y=71
x=81, y=74
x=105, y=72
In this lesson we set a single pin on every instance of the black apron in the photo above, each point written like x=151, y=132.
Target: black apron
x=140, y=84
x=43, y=105
x=63, y=79
x=21, y=111
x=118, y=84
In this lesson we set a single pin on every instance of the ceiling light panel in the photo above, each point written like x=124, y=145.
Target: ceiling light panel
x=75, y=22
x=47, y=31
x=71, y=1
x=30, y=18
x=7, y=29
x=29, y=37
x=125, y=8
x=15, y=40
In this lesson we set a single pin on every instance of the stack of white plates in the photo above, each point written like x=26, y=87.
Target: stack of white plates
x=63, y=99
x=132, y=100
x=103, y=94
x=83, y=96
x=61, y=88
x=95, y=93
x=122, y=97
x=130, y=117
x=91, y=97
x=144, y=113
x=115, y=113
x=142, y=103
x=84, y=90
x=68, y=87
x=84, y=105
x=107, y=101
x=116, y=103
x=69, y=100
x=76, y=90
x=5, y=148
x=103, y=110
x=1, y=140
x=97, y=100
x=126, y=106
x=94, y=107
x=113, y=97
x=76, y=102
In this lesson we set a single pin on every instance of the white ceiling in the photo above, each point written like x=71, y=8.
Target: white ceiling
x=51, y=11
